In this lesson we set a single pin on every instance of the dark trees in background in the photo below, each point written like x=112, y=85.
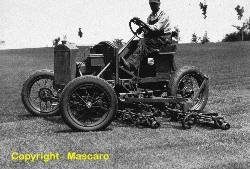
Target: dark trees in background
x=242, y=33
x=118, y=42
x=240, y=11
x=236, y=36
x=80, y=32
x=205, y=38
x=203, y=7
x=56, y=41
x=194, y=38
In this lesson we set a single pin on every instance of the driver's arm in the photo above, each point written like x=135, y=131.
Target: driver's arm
x=163, y=23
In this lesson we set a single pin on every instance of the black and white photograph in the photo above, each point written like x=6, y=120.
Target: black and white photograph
x=125, y=84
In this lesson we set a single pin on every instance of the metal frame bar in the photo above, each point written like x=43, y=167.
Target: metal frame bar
x=103, y=70
x=166, y=53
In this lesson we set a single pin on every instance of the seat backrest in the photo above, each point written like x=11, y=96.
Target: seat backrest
x=165, y=63
x=168, y=49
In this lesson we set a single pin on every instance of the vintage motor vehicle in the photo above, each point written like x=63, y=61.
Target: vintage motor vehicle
x=91, y=94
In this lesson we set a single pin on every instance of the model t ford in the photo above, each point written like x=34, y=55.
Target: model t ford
x=90, y=94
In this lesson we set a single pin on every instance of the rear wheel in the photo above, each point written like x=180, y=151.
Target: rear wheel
x=186, y=83
x=38, y=94
x=88, y=103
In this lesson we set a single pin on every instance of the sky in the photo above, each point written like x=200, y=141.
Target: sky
x=35, y=23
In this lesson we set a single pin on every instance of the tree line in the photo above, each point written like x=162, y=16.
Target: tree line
x=242, y=32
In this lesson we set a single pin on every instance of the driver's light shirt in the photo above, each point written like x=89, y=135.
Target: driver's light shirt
x=159, y=21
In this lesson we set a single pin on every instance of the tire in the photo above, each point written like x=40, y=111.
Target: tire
x=27, y=91
x=87, y=98
x=177, y=88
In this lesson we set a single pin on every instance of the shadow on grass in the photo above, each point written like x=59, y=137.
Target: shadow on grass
x=77, y=131
x=178, y=125
x=117, y=124
x=163, y=124
x=27, y=117
x=207, y=126
x=54, y=119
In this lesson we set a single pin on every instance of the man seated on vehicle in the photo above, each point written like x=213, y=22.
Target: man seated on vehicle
x=159, y=34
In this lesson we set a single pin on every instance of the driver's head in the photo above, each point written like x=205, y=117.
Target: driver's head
x=154, y=5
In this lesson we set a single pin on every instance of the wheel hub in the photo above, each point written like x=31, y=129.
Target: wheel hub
x=188, y=91
x=89, y=105
x=45, y=94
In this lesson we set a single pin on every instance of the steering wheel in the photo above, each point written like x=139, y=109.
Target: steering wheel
x=142, y=26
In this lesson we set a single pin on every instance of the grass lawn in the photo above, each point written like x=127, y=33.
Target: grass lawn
x=227, y=65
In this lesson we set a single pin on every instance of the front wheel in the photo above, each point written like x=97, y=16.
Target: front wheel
x=88, y=103
x=38, y=94
x=189, y=82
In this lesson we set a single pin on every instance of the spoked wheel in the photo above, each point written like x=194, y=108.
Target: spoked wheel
x=189, y=82
x=88, y=103
x=38, y=95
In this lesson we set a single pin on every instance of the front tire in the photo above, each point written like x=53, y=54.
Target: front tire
x=88, y=103
x=185, y=82
x=38, y=94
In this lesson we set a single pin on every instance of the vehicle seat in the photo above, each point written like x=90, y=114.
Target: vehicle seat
x=165, y=60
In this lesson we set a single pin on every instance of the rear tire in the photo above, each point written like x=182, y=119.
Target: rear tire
x=179, y=87
x=88, y=103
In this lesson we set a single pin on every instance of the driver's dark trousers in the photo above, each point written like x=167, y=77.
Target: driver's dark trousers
x=146, y=47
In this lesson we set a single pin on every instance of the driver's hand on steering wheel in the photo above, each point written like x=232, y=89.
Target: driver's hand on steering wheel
x=137, y=20
x=142, y=30
x=139, y=30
